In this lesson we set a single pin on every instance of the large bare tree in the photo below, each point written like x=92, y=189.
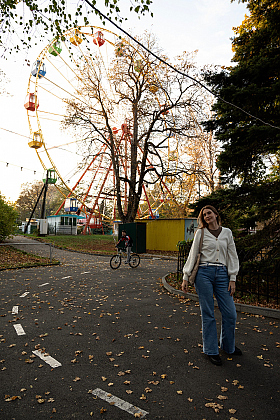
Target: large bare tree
x=157, y=107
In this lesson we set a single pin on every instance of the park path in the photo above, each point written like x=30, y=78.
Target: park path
x=80, y=340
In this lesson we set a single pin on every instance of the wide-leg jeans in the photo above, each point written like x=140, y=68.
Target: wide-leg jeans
x=214, y=280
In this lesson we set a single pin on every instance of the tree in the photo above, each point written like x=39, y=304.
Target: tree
x=8, y=217
x=253, y=84
x=158, y=107
x=29, y=17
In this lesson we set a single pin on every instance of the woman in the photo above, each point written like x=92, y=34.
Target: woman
x=216, y=275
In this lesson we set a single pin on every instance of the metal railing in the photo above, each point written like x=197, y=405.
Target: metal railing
x=258, y=278
x=31, y=243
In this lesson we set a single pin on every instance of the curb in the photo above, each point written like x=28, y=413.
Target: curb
x=31, y=266
x=240, y=307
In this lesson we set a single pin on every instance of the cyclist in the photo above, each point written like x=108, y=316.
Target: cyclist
x=128, y=242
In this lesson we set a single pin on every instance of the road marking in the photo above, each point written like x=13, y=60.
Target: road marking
x=24, y=294
x=44, y=284
x=123, y=405
x=48, y=359
x=85, y=272
x=68, y=277
x=15, y=310
x=19, y=329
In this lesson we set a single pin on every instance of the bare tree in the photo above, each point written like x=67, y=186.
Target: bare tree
x=157, y=107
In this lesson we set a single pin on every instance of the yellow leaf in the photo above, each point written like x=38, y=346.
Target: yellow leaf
x=232, y=411
x=190, y=399
x=180, y=392
x=222, y=397
x=128, y=391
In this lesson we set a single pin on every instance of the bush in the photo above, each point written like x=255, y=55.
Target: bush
x=8, y=218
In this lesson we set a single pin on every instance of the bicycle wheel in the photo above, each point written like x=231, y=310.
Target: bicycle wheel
x=134, y=260
x=115, y=261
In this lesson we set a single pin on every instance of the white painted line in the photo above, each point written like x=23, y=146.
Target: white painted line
x=123, y=405
x=85, y=272
x=44, y=284
x=68, y=277
x=19, y=329
x=15, y=310
x=24, y=294
x=48, y=359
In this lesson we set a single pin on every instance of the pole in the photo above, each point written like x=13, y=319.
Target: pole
x=34, y=208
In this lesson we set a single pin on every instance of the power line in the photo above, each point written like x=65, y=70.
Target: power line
x=22, y=135
x=178, y=71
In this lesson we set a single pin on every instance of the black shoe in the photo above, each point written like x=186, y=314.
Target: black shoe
x=237, y=352
x=215, y=359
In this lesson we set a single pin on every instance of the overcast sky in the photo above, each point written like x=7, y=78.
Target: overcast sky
x=180, y=25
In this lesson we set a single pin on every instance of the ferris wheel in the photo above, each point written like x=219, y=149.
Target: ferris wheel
x=83, y=165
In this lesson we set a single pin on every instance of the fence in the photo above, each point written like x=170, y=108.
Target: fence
x=29, y=243
x=257, y=279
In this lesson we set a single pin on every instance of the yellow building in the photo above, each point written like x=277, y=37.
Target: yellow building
x=164, y=234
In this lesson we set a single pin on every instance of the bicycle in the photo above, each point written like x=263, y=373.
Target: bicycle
x=116, y=260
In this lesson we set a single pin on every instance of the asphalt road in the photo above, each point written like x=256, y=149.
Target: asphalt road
x=91, y=342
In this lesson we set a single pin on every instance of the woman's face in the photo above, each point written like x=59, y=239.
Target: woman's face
x=209, y=216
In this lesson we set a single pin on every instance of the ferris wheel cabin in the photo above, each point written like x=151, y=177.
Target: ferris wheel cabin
x=52, y=177
x=98, y=39
x=31, y=102
x=38, y=68
x=75, y=39
x=71, y=205
x=37, y=141
x=55, y=49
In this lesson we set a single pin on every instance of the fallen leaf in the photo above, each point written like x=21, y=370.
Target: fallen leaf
x=222, y=397
x=180, y=392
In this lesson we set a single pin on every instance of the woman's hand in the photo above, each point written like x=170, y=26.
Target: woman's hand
x=185, y=286
x=231, y=287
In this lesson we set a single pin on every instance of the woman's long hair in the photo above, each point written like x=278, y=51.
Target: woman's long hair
x=200, y=220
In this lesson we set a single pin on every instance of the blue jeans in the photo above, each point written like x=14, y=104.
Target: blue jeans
x=214, y=280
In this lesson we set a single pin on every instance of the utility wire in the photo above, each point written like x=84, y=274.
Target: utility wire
x=178, y=71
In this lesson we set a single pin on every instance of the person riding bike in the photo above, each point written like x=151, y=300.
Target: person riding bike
x=128, y=242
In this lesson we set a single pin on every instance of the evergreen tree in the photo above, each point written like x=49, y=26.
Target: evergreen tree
x=253, y=84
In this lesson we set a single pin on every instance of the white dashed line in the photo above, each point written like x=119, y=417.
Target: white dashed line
x=68, y=277
x=15, y=310
x=24, y=294
x=123, y=405
x=48, y=359
x=19, y=329
x=44, y=284
x=85, y=272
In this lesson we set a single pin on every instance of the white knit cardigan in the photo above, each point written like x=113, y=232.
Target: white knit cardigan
x=214, y=250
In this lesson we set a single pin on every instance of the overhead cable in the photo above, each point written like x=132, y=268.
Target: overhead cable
x=178, y=71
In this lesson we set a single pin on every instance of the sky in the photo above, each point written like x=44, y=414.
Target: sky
x=180, y=25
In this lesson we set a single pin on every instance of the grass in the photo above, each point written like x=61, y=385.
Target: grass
x=11, y=258
x=94, y=244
